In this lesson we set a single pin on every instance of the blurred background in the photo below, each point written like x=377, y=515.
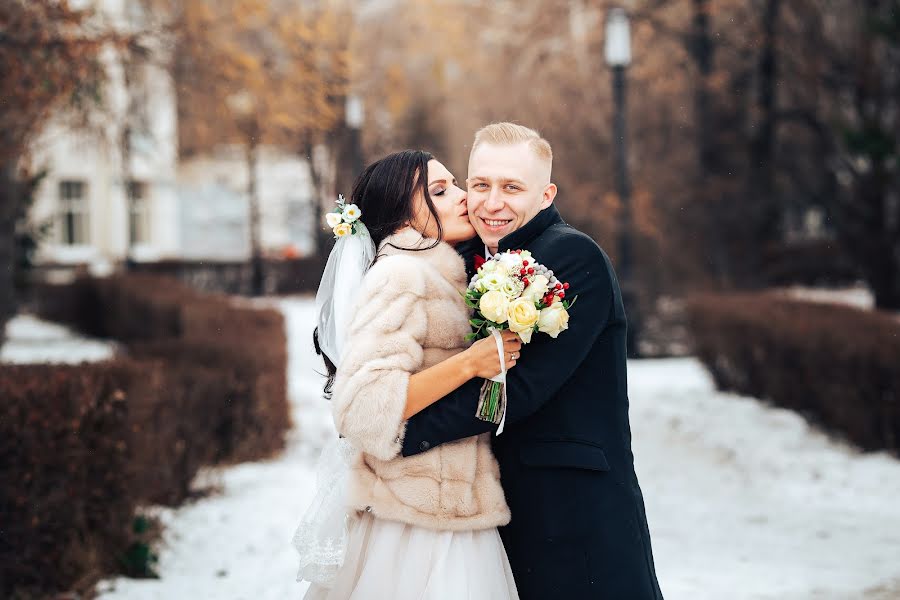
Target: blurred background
x=164, y=166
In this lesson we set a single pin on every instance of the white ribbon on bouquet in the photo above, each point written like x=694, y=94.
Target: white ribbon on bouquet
x=501, y=378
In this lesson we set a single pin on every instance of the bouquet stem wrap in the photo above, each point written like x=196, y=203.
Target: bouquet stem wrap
x=492, y=400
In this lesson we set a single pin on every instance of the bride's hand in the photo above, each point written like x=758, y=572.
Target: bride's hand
x=484, y=359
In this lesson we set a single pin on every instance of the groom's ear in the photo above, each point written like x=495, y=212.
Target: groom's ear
x=549, y=195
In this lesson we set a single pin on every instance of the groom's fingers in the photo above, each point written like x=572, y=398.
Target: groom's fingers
x=512, y=350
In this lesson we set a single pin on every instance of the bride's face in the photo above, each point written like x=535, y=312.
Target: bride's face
x=449, y=202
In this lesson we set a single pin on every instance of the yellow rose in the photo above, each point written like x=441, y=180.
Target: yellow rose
x=333, y=219
x=343, y=229
x=522, y=318
x=554, y=320
x=537, y=288
x=493, y=305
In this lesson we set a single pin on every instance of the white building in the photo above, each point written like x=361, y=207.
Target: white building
x=212, y=193
x=196, y=209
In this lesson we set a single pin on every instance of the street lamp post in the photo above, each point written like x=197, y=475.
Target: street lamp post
x=354, y=115
x=618, y=57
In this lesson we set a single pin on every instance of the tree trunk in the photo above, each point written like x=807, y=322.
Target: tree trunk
x=257, y=276
x=765, y=208
x=321, y=167
x=9, y=208
x=701, y=49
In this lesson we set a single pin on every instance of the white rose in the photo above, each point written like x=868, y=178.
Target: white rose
x=351, y=213
x=526, y=255
x=333, y=219
x=343, y=229
x=537, y=288
x=554, y=320
x=493, y=281
x=488, y=267
x=512, y=288
x=493, y=305
x=501, y=268
x=522, y=318
x=512, y=262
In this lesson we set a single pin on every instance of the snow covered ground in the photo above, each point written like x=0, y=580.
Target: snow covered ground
x=857, y=296
x=32, y=340
x=745, y=501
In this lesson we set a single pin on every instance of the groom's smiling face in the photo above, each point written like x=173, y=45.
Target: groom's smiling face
x=507, y=186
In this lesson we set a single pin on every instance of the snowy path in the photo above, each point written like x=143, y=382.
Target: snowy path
x=745, y=501
x=33, y=340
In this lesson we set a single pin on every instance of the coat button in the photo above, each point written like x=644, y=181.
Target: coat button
x=424, y=446
x=397, y=440
x=368, y=509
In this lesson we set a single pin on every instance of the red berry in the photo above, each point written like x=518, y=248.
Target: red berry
x=525, y=281
x=565, y=286
x=522, y=272
x=525, y=262
x=562, y=294
x=530, y=270
x=559, y=286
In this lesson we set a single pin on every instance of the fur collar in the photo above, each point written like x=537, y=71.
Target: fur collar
x=442, y=257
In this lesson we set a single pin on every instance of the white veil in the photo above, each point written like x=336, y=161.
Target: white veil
x=321, y=537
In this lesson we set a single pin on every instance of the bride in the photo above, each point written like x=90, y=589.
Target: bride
x=392, y=323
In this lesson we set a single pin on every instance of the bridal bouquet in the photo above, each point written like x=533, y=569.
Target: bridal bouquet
x=512, y=291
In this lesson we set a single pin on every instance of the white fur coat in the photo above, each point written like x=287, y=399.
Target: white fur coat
x=410, y=315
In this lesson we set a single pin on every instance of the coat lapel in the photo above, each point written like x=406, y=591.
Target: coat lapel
x=522, y=237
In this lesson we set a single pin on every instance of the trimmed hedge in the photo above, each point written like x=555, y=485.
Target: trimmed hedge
x=836, y=365
x=237, y=355
x=67, y=497
x=82, y=447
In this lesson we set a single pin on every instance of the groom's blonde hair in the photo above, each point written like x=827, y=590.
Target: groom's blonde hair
x=511, y=134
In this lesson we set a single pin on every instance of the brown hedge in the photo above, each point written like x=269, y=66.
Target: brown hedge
x=237, y=355
x=204, y=383
x=836, y=365
x=67, y=452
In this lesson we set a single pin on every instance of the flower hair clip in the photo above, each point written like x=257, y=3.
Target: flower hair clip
x=344, y=219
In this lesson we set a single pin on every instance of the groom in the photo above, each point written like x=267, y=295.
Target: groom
x=578, y=527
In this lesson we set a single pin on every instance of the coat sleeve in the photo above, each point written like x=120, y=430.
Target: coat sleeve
x=383, y=348
x=545, y=364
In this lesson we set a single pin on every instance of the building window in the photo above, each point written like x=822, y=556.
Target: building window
x=138, y=212
x=73, y=213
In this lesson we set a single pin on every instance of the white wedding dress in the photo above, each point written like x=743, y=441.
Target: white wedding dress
x=361, y=557
x=391, y=560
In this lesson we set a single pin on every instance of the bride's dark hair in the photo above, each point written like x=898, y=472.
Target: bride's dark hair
x=385, y=193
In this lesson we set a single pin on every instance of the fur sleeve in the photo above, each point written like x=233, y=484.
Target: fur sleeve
x=383, y=348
